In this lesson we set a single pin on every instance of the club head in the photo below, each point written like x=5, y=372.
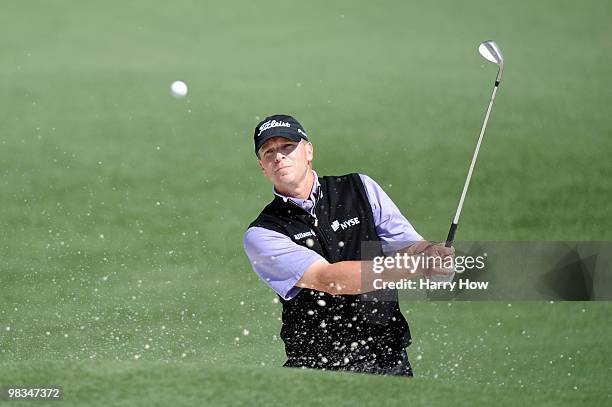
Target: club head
x=491, y=52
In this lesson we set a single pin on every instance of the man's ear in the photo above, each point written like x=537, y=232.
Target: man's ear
x=260, y=165
x=309, y=151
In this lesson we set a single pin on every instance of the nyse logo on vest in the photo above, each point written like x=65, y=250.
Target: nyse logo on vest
x=344, y=225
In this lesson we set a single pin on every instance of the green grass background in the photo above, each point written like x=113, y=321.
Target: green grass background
x=122, y=275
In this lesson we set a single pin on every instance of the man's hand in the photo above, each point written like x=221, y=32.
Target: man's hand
x=436, y=255
x=441, y=256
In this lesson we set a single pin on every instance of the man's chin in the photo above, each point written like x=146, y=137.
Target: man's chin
x=284, y=178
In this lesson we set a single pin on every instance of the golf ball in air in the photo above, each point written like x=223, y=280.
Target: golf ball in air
x=178, y=89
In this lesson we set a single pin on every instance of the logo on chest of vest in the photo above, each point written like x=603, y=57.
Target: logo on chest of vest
x=303, y=235
x=344, y=225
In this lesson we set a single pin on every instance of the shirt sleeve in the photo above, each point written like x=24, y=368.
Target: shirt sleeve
x=277, y=259
x=393, y=229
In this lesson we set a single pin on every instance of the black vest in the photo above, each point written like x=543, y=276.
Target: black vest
x=336, y=331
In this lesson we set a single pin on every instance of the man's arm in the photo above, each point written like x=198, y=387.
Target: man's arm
x=357, y=277
x=393, y=229
x=343, y=277
x=278, y=260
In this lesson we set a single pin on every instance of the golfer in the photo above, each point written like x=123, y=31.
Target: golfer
x=309, y=245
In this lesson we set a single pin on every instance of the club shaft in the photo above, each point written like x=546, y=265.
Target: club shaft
x=453, y=228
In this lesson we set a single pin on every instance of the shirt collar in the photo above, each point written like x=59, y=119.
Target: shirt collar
x=313, y=193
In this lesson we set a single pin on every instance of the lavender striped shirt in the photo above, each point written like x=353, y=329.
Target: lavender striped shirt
x=280, y=262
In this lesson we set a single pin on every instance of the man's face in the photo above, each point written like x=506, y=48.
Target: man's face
x=285, y=162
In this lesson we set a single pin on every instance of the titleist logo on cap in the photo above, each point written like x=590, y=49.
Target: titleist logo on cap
x=270, y=124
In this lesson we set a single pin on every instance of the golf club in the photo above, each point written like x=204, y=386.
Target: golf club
x=490, y=51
